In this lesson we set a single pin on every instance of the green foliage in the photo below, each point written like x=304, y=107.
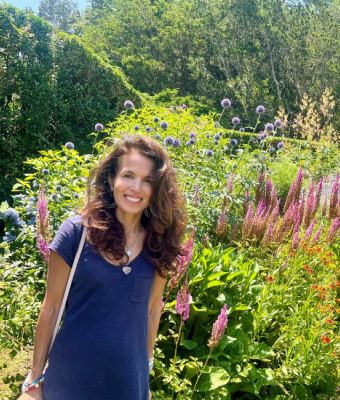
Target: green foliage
x=53, y=90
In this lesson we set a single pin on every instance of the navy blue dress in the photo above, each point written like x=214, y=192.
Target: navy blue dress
x=100, y=351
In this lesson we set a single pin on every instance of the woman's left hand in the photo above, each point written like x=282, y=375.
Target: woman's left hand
x=150, y=395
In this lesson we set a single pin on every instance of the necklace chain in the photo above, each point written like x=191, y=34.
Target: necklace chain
x=134, y=246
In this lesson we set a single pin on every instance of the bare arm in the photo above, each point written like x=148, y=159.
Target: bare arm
x=155, y=311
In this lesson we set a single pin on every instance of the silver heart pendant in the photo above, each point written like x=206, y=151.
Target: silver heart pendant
x=126, y=270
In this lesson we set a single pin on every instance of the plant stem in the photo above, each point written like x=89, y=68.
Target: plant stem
x=179, y=335
x=202, y=370
x=166, y=300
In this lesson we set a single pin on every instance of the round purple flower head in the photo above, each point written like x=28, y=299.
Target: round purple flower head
x=263, y=158
x=156, y=119
x=136, y=127
x=45, y=171
x=235, y=166
x=197, y=152
x=235, y=120
x=55, y=196
x=233, y=142
x=217, y=136
x=271, y=149
x=280, y=145
x=226, y=103
x=256, y=155
x=148, y=129
x=216, y=142
x=222, y=158
x=208, y=136
x=262, y=136
x=58, y=188
x=128, y=104
x=99, y=127
x=169, y=140
x=157, y=136
x=278, y=123
x=192, y=141
x=76, y=195
x=242, y=129
x=216, y=124
x=35, y=185
x=260, y=110
x=164, y=125
x=69, y=145
x=192, y=135
x=209, y=153
x=176, y=143
x=269, y=127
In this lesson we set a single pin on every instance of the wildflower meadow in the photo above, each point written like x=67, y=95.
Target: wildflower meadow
x=253, y=309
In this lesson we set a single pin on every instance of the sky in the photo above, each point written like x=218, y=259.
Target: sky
x=35, y=4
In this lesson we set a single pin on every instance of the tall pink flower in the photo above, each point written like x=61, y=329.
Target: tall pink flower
x=269, y=189
x=295, y=242
x=309, y=231
x=246, y=203
x=183, y=300
x=298, y=184
x=43, y=247
x=222, y=227
x=316, y=237
x=196, y=197
x=230, y=183
x=259, y=191
x=248, y=223
x=219, y=328
x=42, y=216
x=267, y=238
x=234, y=232
x=333, y=201
x=332, y=231
x=324, y=207
x=290, y=197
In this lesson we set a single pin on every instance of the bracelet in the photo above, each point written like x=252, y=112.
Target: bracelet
x=150, y=364
x=35, y=384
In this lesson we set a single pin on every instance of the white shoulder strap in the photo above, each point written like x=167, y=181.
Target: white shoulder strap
x=68, y=286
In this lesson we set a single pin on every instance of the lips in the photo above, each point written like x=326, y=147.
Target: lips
x=133, y=199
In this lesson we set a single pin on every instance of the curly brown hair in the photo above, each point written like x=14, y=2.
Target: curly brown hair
x=165, y=227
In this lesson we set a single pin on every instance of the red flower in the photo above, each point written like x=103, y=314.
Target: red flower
x=323, y=296
x=338, y=310
x=332, y=286
x=315, y=287
x=325, y=339
x=307, y=269
x=338, y=300
x=329, y=321
x=337, y=283
x=269, y=279
x=322, y=289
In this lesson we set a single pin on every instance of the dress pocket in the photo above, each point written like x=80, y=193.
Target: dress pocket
x=141, y=289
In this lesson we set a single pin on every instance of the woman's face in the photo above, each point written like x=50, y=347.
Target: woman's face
x=132, y=187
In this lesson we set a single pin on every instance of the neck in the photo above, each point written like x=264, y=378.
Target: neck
x=131, y=222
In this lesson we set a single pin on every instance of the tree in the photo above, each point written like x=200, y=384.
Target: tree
x=61, y=14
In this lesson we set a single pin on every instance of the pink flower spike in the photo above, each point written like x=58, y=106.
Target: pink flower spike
x=316, y=237
x=309, y=231
x=196, y=197
x=183, y=300
x=219, y=328
x=230, y=183
x=43, y=247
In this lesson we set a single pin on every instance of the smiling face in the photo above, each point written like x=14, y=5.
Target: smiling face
x=132, y=186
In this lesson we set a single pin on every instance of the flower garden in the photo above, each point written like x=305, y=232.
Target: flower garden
x=253, y=310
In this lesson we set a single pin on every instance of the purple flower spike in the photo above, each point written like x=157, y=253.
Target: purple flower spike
x=278, y=123
x=260, y=110
x=226, y=103
x=128, y=104
x=269, y=127
x=219, y=328
x=183, y=300
x=235, y=120
x=43, y=247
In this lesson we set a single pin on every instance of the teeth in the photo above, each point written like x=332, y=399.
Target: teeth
x=132, y=199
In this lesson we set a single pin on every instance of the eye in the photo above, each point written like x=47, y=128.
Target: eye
x=127, y=176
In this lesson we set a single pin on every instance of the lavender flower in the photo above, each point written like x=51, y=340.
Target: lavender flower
x=157, y=136
x=209, y=153
x=269, y=127
x=233, y=142
x=176, y=143
x=128, y=104
x=260, y=110
x=262, y=136
x=235, y=121
x=295, y=242
x=69, y=145
x=217, y=136
x=222, y=158
x=169, y=140
x=226, y=103
x=136, y=127
x=42, y=216
x=164, y=125
x=219, y=328
x=309, y=231
x=280, y=145
x=216, y=124
x=230, y=183
x=99, y=127
x=222, y=228
x=278, y=123
x=242, y=130
x=148, y=129
x=45, y=171
x=156, y=119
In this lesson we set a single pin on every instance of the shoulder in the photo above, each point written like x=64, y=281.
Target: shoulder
x=71, y=225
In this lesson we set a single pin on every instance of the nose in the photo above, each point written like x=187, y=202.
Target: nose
x=136, y=185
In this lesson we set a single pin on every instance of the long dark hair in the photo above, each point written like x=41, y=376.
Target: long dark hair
x=165, y=227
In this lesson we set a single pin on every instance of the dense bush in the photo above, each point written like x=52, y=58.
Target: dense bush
x=53, y=89
x=283, y=298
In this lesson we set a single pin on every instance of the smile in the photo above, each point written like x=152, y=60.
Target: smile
x=133, y=200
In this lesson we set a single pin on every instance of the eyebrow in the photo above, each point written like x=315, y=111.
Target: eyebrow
x=131, y=172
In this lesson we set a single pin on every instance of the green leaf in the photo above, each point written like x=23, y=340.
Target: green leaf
x=213, y=379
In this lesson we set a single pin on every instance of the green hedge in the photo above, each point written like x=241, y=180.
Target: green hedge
x=53, y=89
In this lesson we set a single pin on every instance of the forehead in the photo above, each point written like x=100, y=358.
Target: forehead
x=136, y=163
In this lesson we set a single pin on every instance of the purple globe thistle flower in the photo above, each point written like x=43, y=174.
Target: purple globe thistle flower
x=164, y=125
x=278, y=123
x=45, y=171
x=136, y=127
x=69, y=145
x=235, y=121
x=235, y=166
x=128, y=104
x=262, y=136
x=192, y=141
x=260, y=110
x=157, y=136
x=216, y=124
x=233, y=142
x=208, y=136
x=271, y=150
x=222, y=158
x=176, y=143
x=216, y=142
x=269, y=127
x=58, y=188
x=99, y=127
x=192, y=135
x=272, y=160
x=209, y=153
x=76, y=195
x=217, y=136
x=169, y=140
x=148, y=129
x=11, y=214
x=242, y=130
x=156, y=119
x=263, y=158
x=280, y=145
x=55, y=196
x=256, y=155
x=197, y=152
x=226, y=103
x=268, y=172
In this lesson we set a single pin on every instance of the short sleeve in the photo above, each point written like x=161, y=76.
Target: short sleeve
x=67, y=239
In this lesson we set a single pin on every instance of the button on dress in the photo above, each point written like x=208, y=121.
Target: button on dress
x=100, y=351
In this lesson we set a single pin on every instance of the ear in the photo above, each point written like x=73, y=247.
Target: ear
x=111, y=182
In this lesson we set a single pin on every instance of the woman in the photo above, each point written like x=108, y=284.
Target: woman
x=135, y=217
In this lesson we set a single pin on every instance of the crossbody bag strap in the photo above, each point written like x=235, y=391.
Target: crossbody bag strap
x=68, y=286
